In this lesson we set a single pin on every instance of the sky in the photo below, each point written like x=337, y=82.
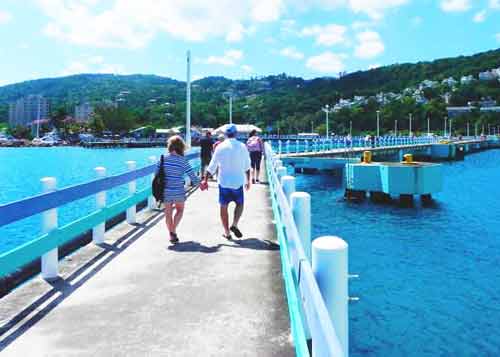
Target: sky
x=236, y=39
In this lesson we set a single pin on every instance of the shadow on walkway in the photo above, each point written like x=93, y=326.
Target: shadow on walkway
x=63, y=288
x=248, y=243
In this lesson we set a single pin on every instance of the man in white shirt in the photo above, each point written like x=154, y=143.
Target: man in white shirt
x=233, y=161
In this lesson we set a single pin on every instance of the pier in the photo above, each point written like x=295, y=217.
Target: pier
x=129, y=292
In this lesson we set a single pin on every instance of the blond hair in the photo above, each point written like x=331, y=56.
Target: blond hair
x=176, y=144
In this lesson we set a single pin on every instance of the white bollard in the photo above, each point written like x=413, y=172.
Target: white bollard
x=50, y=260
x=301, y=209
x=278, y=163
x=100, y=202
x=288, y=184
x=151, y=199
x=329, y=265
x=281, y=171
x=131, y=211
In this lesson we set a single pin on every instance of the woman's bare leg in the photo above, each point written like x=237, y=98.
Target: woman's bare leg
x=179, y=211
x=168, y=216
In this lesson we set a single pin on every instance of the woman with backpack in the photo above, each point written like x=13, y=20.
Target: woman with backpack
x=175, y=167
x=256, y=148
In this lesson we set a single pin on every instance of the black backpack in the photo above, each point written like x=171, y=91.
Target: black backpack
x=158, y=185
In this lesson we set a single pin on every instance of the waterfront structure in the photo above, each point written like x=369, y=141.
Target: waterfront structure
x=26, y=110
x=83, y=112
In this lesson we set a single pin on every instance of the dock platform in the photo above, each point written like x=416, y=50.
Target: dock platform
x=136, y=295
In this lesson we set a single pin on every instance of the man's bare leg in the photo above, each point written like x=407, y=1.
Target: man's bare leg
x=224, y=216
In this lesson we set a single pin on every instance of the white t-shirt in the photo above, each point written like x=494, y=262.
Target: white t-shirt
x=233, y=160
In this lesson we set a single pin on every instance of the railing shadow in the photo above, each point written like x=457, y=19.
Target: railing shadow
x=63, y=288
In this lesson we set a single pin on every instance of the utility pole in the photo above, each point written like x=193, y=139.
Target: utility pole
x=378, y=123
x=188, y=100
x=429, y=126
x=410, y=133
x=38, y=118
x=445, y=123
x=327, y=110
x=231, y=108
x=467, y=128
x=396, y=127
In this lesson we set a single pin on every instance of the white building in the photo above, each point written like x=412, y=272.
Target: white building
x=83, y=112
x=487, y=76
x=26, y=110
x=428, y=84
x=450, y=82
x=466, y=79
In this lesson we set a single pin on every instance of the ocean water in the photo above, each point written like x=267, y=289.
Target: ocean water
x=429, y=277
x=22, y=168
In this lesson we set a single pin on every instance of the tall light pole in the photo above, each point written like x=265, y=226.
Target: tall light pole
x=396, y=127
x=231, y=108
x=378, y=123
x=428, y=125
x=38, y=118
x=451, y=128
x=327, y=110
x=350, y=128
x=467, y=128
x=475, y=129
x=410, y=133
x=445, y=123
x=188, y=100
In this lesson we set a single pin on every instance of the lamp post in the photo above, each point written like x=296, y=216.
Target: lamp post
x=475, y=129
x=378, y=123
x=396, y=127
x=467, y=128
x=451, y=129
x=188, y=100
x=410, y=133
x=350, y=128
x=327, y=110
x=428, y=126
x=445, y=123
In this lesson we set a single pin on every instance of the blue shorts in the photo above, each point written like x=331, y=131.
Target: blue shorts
x=227, y=195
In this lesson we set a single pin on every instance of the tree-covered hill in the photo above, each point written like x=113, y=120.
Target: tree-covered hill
x=280, y=100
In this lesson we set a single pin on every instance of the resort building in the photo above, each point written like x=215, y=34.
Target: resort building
x=26, y=110
x=487, y=76
x=83, y=112
x=466, y=79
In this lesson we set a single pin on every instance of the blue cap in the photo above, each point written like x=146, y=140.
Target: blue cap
x=231, y=129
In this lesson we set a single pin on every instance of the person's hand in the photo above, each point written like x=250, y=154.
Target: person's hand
x=204, y=185
x=247, y=186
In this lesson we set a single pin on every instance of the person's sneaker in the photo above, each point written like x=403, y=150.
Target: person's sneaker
x=236, y=232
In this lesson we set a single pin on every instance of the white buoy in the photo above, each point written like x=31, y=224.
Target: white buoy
x=131, y=211
x=50, y=260
x=329, y=265
x=288, y=184
x=151, y=199
x=100, y=202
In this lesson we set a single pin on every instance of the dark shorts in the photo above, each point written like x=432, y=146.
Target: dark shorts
x=255, y=159
x=227, y=195
x=205, y=160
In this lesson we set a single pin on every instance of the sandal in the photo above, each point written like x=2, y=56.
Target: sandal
x=228, y=237
x=173, y=238
x=236, y=231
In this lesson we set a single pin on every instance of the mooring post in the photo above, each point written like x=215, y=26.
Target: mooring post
x=301, y=210
x=329, y=265
x=100, y=203
x=132, y=186
x=151, y=199
x=288, y=184
x=50, y=260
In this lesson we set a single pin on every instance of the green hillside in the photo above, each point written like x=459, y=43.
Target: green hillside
x=289, y=102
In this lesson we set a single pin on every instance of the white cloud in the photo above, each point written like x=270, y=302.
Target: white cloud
x=5, y=17
x=292, y=52
x=455, y=5
x=375, y=8
x=247, y=68
x=374, y=66
x=95, y=64
x=479, y=16
x=498, y=37
x=327, y=62
x=494, y=4
x=229, y=58
x=370, y=45
x=266, y=10
x=328, y=35
x=133, y=24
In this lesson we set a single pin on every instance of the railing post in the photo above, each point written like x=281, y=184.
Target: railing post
x=288, y=184
x=100, y=202
x=132, y=186
x=329, y=265
x=301, y=210
x=281, y=171
x=50, y=260
x=151, y=199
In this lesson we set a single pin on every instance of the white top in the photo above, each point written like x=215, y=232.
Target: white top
x=233, y=160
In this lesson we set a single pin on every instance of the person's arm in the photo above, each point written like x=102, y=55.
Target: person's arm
x=195, y=180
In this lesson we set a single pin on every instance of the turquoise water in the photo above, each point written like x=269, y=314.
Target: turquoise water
x=22, y=168
x=429, y=277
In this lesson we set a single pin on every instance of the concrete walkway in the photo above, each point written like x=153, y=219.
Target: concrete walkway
x=141, y=297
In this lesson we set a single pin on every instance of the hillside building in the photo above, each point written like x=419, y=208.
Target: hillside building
x=26, y=110
x=83, y=112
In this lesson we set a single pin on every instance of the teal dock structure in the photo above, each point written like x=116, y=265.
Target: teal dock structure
x=130, y=293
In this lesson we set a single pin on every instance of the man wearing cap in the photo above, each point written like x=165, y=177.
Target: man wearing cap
x=232, y=160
